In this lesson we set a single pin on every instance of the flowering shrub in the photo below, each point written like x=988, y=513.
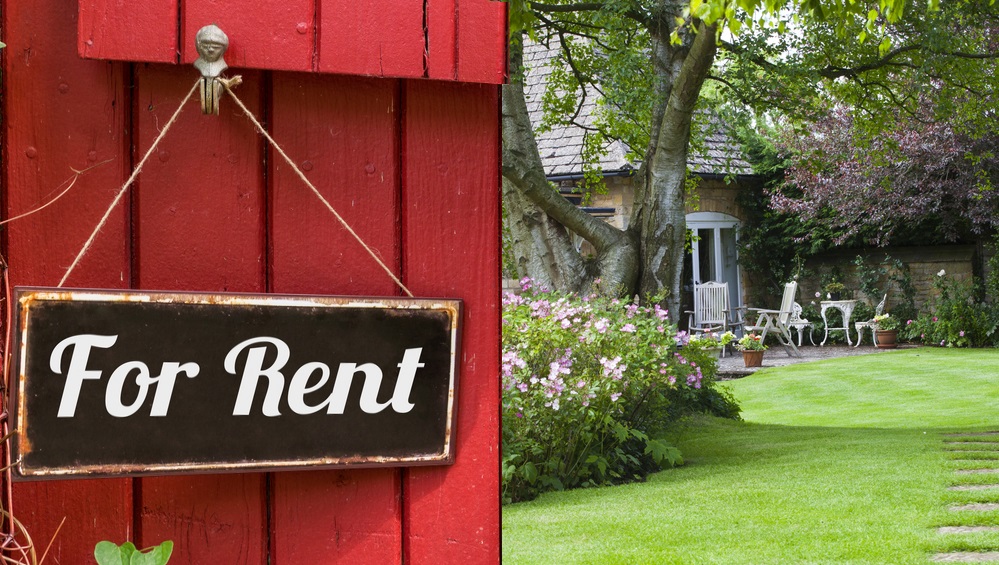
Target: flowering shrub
x=588, y=383
x=957, y=318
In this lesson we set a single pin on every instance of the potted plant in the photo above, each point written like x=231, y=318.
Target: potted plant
x=886, y=331
x=711, y=342
x=834, y=290
x=752, y=348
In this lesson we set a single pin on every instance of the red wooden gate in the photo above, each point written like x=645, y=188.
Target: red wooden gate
x=411, y=163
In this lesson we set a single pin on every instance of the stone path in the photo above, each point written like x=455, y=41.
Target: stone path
x=732, y=367
x=973, y=449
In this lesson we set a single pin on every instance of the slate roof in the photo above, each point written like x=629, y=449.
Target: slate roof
x=561, y=148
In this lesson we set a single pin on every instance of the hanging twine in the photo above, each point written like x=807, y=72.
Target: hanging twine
x=124, y=187
x=301, y=175
x=228, y=84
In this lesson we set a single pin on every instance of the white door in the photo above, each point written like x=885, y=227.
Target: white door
x=714, y=252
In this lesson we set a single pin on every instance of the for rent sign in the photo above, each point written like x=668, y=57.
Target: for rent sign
x=115, y=383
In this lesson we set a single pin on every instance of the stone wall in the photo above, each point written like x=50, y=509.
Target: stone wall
x=957, y=262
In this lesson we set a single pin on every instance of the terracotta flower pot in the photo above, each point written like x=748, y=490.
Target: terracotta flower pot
x=752, y=358
x=886, y=339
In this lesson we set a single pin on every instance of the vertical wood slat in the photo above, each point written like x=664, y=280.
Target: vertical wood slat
x=442, y=36
x=263, y=34
x=200, y=209
x=48, y=92
x=374, y=37
x=128, y=30
x=481, y=41
x=342, y=132
x=451, y=218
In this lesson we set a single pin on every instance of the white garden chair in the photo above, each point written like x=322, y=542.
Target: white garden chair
x=711, y=313
x=778, y=321
x=861, y=326
x=798, y=324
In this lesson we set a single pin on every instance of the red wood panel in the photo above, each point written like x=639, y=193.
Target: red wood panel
x=374, y=37
x=481, y=42
x=442, y=38
x=128, y=30
x=451, y=218
x=200, y=225
x=62, y=113
x=264, y=34
x=343, y=133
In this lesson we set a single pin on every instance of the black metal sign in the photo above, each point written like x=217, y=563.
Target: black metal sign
x=112, y=383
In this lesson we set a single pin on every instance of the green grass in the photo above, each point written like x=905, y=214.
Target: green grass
x=838, y=462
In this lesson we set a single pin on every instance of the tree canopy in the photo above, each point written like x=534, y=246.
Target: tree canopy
x=653, y=63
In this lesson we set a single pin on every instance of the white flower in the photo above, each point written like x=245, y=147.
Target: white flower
x=818, y=295
x=941, y=273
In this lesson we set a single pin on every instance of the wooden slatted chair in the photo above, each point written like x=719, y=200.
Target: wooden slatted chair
x=778, y=321
x=711, y=313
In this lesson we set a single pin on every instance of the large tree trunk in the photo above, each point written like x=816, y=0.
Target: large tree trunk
x=661, y=207
x=647, y=258
x=542, y=222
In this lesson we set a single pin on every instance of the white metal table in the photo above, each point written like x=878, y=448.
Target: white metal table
x=846, y=308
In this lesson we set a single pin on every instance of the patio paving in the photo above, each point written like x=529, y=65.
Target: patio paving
x=732, y=367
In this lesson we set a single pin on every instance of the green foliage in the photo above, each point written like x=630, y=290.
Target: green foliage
x=957, y=319
x=891, y=277
x=108, y=553
x=588, y=385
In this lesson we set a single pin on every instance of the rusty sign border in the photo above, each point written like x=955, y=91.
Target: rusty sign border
x=24, y=297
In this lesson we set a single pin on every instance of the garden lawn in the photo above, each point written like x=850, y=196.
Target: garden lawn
x=837, y=462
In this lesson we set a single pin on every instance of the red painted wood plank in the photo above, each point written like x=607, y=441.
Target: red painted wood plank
x=343, y=133
x=200, y=197
x=482, y=40
x=451, y=217
x=128, y=30
x=442, y=39
x=62, y=113
x=338, y=517
x=374, y=37
x=263, y=34
x=200, y=225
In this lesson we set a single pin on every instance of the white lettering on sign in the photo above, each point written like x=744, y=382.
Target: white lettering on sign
x=253, y=369
x=77, y=372
x=306, y=381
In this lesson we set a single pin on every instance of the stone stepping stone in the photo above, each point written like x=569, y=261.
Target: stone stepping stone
x=974, y=471
x=966, y=529
x=974, y=444
x=972, y=434
x=967, y=557
x=976, y=507
x=972, y=487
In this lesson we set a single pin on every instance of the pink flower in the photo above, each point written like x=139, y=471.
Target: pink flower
x=630, y=328
x=909, y=322
x=961, y=333
x=934, y=318
x=615, y=396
